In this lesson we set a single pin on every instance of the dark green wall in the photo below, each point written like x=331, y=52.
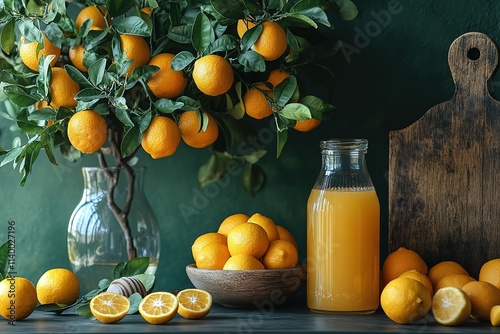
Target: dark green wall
x=389, y=80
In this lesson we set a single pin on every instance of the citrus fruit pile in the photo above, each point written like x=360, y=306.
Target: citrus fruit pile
x=19, y=296
x=245, y=242
x=156, y=308
x=410, y=290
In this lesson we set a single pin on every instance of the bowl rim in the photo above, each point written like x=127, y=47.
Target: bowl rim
x=298, y=267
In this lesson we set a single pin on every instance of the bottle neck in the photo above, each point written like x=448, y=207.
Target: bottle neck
x=344, y=166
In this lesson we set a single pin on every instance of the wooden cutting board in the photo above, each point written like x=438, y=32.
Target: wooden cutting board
x=444, y=169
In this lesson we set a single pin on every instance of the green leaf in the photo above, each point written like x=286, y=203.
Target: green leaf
x=303, y=18
x=281, y=141
x=19, y=97
x=180, y=34
x=188, y=103
x=147, y=279
x=43, y=114
x=118, y=7
x=254, y=157
x=131, y=141
x=28, y=127
x=203, y=34
x=135, y=267
x=56, y=308
x=12, y=155
x=31, y=33
x=228, y=9
x=89, y=94
x=167, y=106
x=296, y=111
x=252, y=61
x=225, y=43
x=319, y=108
x=312, y=10
x=285, y=91
x=133, y=25
x=253, y=178
x=96, y=71
x=135, y=299
x=117, y=270
x=182, y=60
x=347, y=9
x=84, y=310
x=7, y=36
x=214, y=168
x=123, y=116
x=77, y=76
x=4, y=259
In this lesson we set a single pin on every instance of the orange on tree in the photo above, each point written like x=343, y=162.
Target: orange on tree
x=109, y=307
x=405, y=300
x=267, y=224
x=419, y=277
x=454, y=280
x=159, y=307
x=95, y=13
x=451, y=306
x=307, y=125
x=213, y=75
x=194, y=303
x=62, y=89
x=402, y=260
x=17, y=298
x=136, y=49
x=192, y=132
x=490, y=272
x=166, y=83
x=443, y=268
x=58, y=286
x=76, y=56
x=483, y=296
x=280, y=254
x=161, y=138
x=30, y=56
x=147, y=10
x=248, y=238
x=243, y=262
x=271, y=43
x=212, y=256
x=277, y=76
x=204, y=239
x=231, y=221
x=256, y=101
x=87, y=131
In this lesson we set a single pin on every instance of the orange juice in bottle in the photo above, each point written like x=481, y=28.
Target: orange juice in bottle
x=343, y=232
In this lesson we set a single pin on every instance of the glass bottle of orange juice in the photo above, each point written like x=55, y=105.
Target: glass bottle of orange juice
x=343, y=232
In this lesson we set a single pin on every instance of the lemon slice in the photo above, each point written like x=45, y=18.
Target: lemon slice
x=109, y=307
x=451, y=306
x=158, y=307
x=194, y=303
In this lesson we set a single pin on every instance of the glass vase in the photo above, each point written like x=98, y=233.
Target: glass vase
x=112, y=223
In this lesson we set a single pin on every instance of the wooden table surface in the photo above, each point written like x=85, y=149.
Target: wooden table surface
x=292, y=317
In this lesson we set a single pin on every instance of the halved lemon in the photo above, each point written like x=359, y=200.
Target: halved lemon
x=451, y=306
x=159, y=307
x=194, y=303
x=109, y=307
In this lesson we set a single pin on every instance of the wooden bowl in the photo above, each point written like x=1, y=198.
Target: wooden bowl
x=248, y=288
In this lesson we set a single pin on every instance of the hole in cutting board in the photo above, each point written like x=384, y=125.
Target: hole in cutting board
x=473, y=54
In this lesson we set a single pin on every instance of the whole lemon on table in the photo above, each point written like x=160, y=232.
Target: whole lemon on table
x=58, y=286
x=483, y=297
x=17, y=298
x=401, y=260
x=405, y=300
x=443, y=269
